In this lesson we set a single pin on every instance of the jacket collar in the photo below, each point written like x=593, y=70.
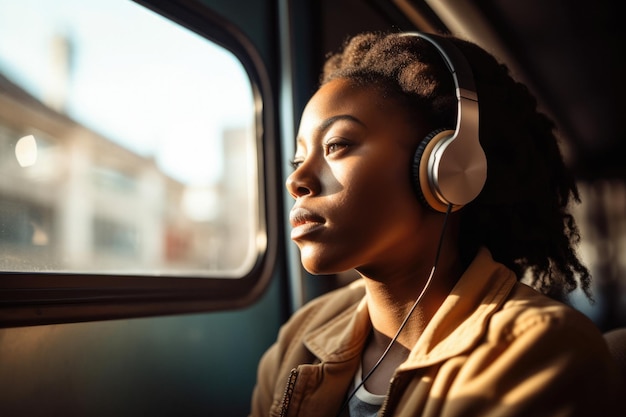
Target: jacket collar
x=462, y=319
x=343, y=337
x=455, y=328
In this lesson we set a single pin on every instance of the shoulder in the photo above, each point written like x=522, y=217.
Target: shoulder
x=558, y=341
x=326, y=307
x=289, y=351
x=546, y=350
x=314, y=315
x=528, y=310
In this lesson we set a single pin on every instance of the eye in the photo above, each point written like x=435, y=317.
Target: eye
x=295, y=163
x=335, y=145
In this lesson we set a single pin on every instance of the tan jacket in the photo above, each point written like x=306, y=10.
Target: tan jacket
x=495, y=347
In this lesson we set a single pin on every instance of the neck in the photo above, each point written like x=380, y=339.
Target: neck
x=391, y=300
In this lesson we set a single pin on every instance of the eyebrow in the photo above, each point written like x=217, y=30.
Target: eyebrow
x=331, y=120
x=326, y=124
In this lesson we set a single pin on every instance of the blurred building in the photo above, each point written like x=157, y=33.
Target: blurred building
x=74, y=200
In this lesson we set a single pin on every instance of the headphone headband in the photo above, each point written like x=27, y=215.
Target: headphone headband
x=455, y=61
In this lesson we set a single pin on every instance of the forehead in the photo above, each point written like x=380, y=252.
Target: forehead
x=367, y=103
x=344, y=94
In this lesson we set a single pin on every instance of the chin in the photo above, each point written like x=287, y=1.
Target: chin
x=323, y=262
x=316, y=269
x=322, y=266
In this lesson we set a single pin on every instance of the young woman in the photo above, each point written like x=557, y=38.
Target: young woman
x=422, y=165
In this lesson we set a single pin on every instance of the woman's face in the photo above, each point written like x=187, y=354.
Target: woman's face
x=355, y=206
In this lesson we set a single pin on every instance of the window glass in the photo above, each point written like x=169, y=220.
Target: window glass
x=127, y=144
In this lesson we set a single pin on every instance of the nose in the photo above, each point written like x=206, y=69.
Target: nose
x=302, y=182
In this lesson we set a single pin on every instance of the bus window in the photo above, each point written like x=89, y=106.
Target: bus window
x=128, y=145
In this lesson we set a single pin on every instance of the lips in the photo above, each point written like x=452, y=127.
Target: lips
x=304, y=222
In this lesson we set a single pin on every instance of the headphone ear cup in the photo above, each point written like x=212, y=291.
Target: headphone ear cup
x=423, y=183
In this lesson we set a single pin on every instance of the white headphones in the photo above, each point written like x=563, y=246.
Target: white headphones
x=449, y=166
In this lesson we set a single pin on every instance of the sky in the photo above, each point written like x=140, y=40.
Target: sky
x=135, y=77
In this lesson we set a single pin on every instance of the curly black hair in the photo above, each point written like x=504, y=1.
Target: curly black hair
x=522, y=215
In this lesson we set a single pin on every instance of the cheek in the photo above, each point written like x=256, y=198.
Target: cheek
x=376, y=209
x=378, y=186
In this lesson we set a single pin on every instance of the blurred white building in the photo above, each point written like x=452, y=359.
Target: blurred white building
x=84, y=203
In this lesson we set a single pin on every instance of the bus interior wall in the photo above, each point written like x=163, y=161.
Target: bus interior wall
x=205, y=363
